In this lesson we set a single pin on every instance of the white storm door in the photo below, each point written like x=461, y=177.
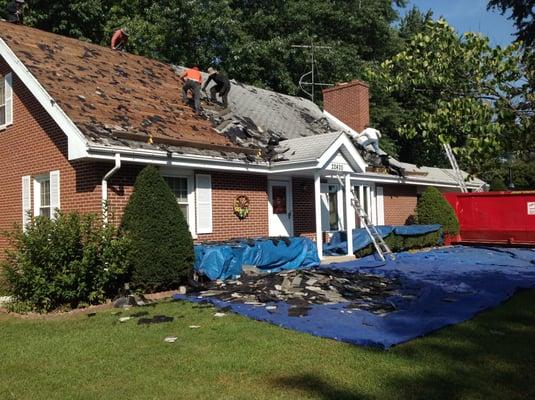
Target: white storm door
x=280, y=208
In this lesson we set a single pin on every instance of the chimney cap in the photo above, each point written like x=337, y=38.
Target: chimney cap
x=345, y=85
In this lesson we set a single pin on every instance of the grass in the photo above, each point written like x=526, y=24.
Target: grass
x=77, y=357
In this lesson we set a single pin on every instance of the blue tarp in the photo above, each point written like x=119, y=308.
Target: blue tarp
x=361, y=239
x=224, y=261
x=439, y=288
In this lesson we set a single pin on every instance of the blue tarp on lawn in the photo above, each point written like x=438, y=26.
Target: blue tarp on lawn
x=338, y=243
x=439, y=287
x=224, y=261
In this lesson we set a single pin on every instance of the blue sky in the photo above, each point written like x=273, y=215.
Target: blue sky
x=470, y=16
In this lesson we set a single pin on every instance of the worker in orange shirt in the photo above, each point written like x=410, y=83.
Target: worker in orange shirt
x=192, y=79
x=119, y=39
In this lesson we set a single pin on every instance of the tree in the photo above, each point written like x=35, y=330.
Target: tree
x=459, y=90
x=432, y=208
x=162, y=247
x=522, y=12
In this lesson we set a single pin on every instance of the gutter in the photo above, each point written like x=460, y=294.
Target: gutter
x=104, y=185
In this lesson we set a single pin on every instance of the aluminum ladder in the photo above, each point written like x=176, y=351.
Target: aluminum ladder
x=453, y=161
x=378, y=242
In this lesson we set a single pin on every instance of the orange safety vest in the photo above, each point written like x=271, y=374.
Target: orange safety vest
x=194, y=75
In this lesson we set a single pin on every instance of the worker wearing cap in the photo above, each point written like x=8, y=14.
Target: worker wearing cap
x=222, y=86
x=192, y=79
x=14, y=12
x=119, y=39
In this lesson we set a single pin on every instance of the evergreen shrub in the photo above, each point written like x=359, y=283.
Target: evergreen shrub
x=162, y=247
x=400, y=243
x=433, y=208
x=70, y=260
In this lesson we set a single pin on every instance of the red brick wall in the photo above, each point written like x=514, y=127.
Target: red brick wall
x=303, y=207
x=225, y=188
x=349, y=102
x=399, y=202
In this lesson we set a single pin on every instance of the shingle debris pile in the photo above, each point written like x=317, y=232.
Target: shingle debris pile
x=303, y=288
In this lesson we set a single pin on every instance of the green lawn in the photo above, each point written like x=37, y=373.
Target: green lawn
x=77, y=357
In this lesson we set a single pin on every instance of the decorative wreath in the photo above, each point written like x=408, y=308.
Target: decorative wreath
x=241, y=206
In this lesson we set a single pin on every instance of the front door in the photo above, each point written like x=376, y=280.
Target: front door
x=280, y=209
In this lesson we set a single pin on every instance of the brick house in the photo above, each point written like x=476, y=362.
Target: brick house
x=79, y=121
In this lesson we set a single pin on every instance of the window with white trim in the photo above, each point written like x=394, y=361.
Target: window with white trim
x=2, y=102
x=179, y=187
x=46, y=194
x=6, y=101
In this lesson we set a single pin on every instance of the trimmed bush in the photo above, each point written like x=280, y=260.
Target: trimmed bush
x=433, y=208
x=69, y=260
x=399, y=243
x=162, y=248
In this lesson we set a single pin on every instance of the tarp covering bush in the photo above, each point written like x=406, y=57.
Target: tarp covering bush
x=225, y=260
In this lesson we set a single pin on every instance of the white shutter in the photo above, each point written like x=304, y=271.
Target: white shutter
x=380, y=205
x=9, y=98
x=54, y=192
x=26, y=200
x=204, y=203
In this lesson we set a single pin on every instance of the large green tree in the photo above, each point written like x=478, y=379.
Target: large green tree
x=459, y=90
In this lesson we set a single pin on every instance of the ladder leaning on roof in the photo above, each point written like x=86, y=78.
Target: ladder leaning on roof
x=377, y=240
x=453, y=161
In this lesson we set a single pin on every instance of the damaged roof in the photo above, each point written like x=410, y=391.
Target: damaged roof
x=113, y=97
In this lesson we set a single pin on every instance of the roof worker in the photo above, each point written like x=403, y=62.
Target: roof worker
x=222, y=86
x=14, y=12
x=192, y=79
x=369, y=139
x=119, y=39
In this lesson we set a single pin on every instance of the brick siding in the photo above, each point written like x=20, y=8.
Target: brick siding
x=349, y=102
x=399, y=202
x=225, y=188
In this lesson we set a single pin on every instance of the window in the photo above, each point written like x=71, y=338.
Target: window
x=179, y=187
x=2, y=102
x=333, y=208
x=44, y=202
x=6, y=101
x=45, y=195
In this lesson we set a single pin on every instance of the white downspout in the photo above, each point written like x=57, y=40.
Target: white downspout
x=105, y=185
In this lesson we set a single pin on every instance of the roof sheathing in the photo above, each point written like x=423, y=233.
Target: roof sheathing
x=113, y=95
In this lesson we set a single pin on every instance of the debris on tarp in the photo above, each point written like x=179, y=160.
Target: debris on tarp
x=301, y=288
x=437, y=288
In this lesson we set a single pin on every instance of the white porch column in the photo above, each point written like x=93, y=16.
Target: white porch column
x=317, y=207
x=350, y=214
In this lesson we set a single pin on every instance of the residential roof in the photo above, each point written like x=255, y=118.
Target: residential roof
x=112, y=95
x=310, y=147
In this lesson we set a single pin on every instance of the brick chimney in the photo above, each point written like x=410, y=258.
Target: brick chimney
x=349, y=102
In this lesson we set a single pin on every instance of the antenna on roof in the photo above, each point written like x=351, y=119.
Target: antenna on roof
x=312, y=82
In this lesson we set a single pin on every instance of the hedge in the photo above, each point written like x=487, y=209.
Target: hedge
x=400, y=243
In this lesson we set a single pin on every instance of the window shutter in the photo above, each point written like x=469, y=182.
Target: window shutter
x=9, y=98
x=204, y=203
x=26, y=200
x=380, y=205
x=54, y=192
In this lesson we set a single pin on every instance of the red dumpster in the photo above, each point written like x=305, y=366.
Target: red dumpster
x=495, y=217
